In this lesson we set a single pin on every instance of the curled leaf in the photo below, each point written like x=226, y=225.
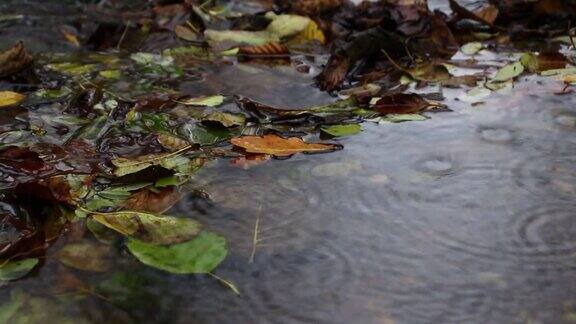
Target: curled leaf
x=14, y=60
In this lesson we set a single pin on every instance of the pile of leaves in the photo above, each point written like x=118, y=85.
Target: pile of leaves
x=103, y=139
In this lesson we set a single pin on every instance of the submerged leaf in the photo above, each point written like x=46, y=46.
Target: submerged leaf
x=12, y=270
x=86, y=256
x=124, y=166
x=150, y=228
x=279, y=146
x=201, y=255
x=10, y=98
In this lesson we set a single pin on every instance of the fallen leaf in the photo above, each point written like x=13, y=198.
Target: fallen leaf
x=401, y=103
x=12, y=270
x=86, y=256
x=207, y=101
x=185, y=33
x=10, y=98
x=171, y=142
x=267, y=51
x=342, y=130
x=471, y=48
x=124, y=166
x=157, y=201
x=487, y=14
x=543, y=61
x=150, y=228
x=200, y=255
x=509, y=72
x=14, y=60
x=312, y=32
x=279, y=146
x=429, y=72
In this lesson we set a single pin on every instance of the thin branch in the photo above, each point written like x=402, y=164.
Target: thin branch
x=255, y=238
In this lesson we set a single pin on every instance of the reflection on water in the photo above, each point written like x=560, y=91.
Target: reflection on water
x=467, y=217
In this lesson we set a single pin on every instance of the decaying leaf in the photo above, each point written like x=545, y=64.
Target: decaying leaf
x=487, y=14
x=150, y=228
x=200, y=255
x=402, y=103
x=186, y=33
x=14, y=60
x=152, y=201
x=429, y=72
x=279, y=146
x=171, y=142
x=86, y=256
x=10, y=98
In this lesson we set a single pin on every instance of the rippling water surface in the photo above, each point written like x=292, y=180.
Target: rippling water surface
x=468, y=217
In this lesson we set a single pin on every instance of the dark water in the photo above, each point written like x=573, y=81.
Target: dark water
x=468, y=217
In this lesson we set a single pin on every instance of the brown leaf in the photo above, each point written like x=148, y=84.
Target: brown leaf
x=487, y=15
x=313, y=7
x=401, y=103
x=159, y=201
x=279, y=146
x=14, y=60
x=267, y=51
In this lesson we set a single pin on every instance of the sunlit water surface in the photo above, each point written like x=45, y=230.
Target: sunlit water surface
x=467, y=217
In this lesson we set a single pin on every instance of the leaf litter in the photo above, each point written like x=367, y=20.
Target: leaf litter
x=117, y=138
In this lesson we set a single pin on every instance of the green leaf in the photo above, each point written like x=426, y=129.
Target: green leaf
x=226, y=119
x=201, y=255
x=13, y=270
x=208, y=101
x=150, y=228
x=509, y=72
x=471, y=48
x=205, y=135
x=399, y=118
x=125, y=166
x=342, y=130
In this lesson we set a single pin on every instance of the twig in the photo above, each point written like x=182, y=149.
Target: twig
x=255, y=238
x=122, y=37
x=226, y=283
x=394, y=63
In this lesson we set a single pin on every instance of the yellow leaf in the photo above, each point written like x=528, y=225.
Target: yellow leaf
x=569, y=79
x=279, y=146
x=10, y=98
x=311, y=33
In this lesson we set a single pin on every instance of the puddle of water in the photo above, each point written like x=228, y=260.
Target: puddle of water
x=465, y=217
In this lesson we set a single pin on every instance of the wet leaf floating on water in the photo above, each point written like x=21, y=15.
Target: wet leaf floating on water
x=124, y=166
x=471, y=48
x=150, y=228
x=86, y=256
x=279, y=146
x=402, y=103
x=399, y=118
x=12, y=270
x=10, y=98
x=509, y=72
x=208, y=101
x=171, y=142
x=14, y=60
x=430, y=72
x=200, y=255
x=342, y=130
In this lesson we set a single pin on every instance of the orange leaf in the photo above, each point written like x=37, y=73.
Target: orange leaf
x=279, y=146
